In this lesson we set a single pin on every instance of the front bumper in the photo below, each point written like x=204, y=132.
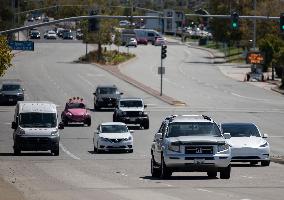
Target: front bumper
x=185, y=162
x=77, y=119
x=122, y=145
x=247, y=154
x=133, y=120
x=11, y=98
x=107, y=103
x=36, y=143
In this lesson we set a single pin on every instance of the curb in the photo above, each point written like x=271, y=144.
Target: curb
x=275, y=89
x=114, y=70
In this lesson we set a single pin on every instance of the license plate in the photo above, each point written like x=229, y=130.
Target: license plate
x=199, y=160
x=11, y=100
x=109, y=104
x=132, y=119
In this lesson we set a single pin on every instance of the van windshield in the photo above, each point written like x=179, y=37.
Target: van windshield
x=43, y=120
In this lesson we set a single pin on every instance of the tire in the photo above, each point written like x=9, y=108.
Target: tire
x=17, y=151
x=265, y=163
x=113, y=118
x=146, y=124
x=55, y=152
x=225, y=173
x=65, y=122
x=88, y=122
x=212, y=174
x=130, y=151
x=156, y=172
x=97, y=108
x=165, y=172
x=253, y=163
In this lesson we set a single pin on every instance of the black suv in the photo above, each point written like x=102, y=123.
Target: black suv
x=106, y=96
x=11, y=93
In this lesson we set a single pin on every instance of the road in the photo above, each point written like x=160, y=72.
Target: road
x=49, y=73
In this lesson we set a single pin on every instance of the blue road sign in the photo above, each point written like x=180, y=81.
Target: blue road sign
x=21, y=45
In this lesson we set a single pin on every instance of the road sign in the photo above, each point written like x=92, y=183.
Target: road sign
x=161, y=70
x=255, y=58
x=21, y=45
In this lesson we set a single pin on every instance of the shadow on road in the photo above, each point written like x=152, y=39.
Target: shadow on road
x=244, y=165
x=27, y=154
x=109, y=152
x=179, y=178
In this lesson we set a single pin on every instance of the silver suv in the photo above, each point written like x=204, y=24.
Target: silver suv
x=188, y=143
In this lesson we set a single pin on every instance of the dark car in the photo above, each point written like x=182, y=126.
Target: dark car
x=45, y=19
x=106, y=96
x=67, y=35
x=11, y=93
x=35, y=35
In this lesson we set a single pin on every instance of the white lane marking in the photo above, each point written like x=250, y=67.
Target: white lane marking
x=251, y=98
x=7, y=123
x=276, y=136
x=68, y=152
x=249, y=177
x=203, y=190
x=245, y=199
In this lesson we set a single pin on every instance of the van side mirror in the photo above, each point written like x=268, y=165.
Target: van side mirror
x=121, y=93
x=94, y=93
x=145, y=106
x=131, y=131
x=265, y=135
x=14, y=125
x=60, y=125
x=158, y=136
x=227, y=135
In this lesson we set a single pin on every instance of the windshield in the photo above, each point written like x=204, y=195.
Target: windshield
x=177, y=129
x=107, y=90
x=75, y=105
x=131, y=103
x=11, y=87
x=241, y=130
x=44, y=120
x=114, y=129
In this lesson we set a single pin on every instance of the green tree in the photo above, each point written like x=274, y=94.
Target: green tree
x=5, y=55
x=117, y=39
x=6, y=15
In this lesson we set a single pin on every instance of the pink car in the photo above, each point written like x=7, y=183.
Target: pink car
x=75, y=112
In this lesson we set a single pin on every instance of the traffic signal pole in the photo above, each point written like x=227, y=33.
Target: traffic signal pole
x=161, y=89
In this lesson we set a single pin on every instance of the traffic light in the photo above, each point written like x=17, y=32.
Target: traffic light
x=164, y=52
x=235, y=21
x=282, y=23
x=93, y=23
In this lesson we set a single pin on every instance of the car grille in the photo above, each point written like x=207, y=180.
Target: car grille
x=109, y=100
x=132, y=113
x=115, y=140
x=199, y=150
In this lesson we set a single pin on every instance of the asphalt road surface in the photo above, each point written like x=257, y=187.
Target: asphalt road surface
x=49, y=73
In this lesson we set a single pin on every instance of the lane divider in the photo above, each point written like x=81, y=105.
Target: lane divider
x=68, y=152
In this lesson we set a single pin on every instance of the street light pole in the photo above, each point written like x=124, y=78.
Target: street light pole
x=254, y=26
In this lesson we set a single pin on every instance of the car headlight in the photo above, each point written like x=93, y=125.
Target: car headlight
x=223, y=147
x=54, y=132
x=21, y=132
x=123, y=113
x=264, y=145
x=69, y=114
x=103, y=139
x=140, y=113
x=174, y=147
x=129, y=138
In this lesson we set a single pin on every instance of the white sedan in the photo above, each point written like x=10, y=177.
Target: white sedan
x=113, y=136
x=247, y=143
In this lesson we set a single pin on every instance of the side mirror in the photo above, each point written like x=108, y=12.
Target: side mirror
x=14, y=125
x=97, y=132
x=158, y=136
x=131, y=131
x=145, y=106
x=23, y=89
x=227, y=135
x=121, y=93
x=60, y=125
x=265, y=135
x=94, y=93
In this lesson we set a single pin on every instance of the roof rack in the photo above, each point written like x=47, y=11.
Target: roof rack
x=171, y=117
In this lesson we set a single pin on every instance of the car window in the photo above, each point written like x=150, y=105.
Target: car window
x=131, y=103
x=241, y=130
x=177, y=129
x=107, y=90
x=114, y=129
x=75, y=105
x=11, y=87
x=45, y=120
x=151, y=34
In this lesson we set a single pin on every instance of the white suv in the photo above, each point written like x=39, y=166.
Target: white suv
x=188, y=143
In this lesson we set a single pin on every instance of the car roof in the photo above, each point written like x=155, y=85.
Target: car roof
x=106, y=86
x=189, y=118
x=113, y=123
x=238, y=123
x=129, y=98
x=37, y=106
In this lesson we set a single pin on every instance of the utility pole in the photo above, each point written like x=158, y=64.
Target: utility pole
x=254, y=26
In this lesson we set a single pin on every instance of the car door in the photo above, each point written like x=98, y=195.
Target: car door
x=96, y=136
x=157, y=148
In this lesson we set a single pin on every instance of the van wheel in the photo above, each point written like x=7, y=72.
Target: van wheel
x=265, y=163
x=212, y=174
x=17, y=151
x=225, y=172
x=165, y=171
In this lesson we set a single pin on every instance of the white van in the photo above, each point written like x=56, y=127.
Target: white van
x=36, y=127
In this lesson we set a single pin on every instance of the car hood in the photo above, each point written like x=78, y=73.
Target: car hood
x=77, y=111
x=125, y=109
x=115, y=135
x=115, y=96
x=197, y=140
x=246, y=141
x=38, y=131
x=11, y=92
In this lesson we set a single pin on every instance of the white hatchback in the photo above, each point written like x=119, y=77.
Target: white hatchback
x=113, y=136
x=247, y=143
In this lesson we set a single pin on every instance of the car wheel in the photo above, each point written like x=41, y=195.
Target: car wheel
x=97, y=108
x=65, y=122
x=265, y=163
x=212, y=174
x=130, y=151
x=165, y=171
x=155, y=170
x=55, y=152
x=17, y=151
x=146, y=124
x=88, y=122
x=113, y=118
x=225, y=172
x=253, y=163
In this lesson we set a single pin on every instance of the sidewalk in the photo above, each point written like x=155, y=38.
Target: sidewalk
x=236, y=71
